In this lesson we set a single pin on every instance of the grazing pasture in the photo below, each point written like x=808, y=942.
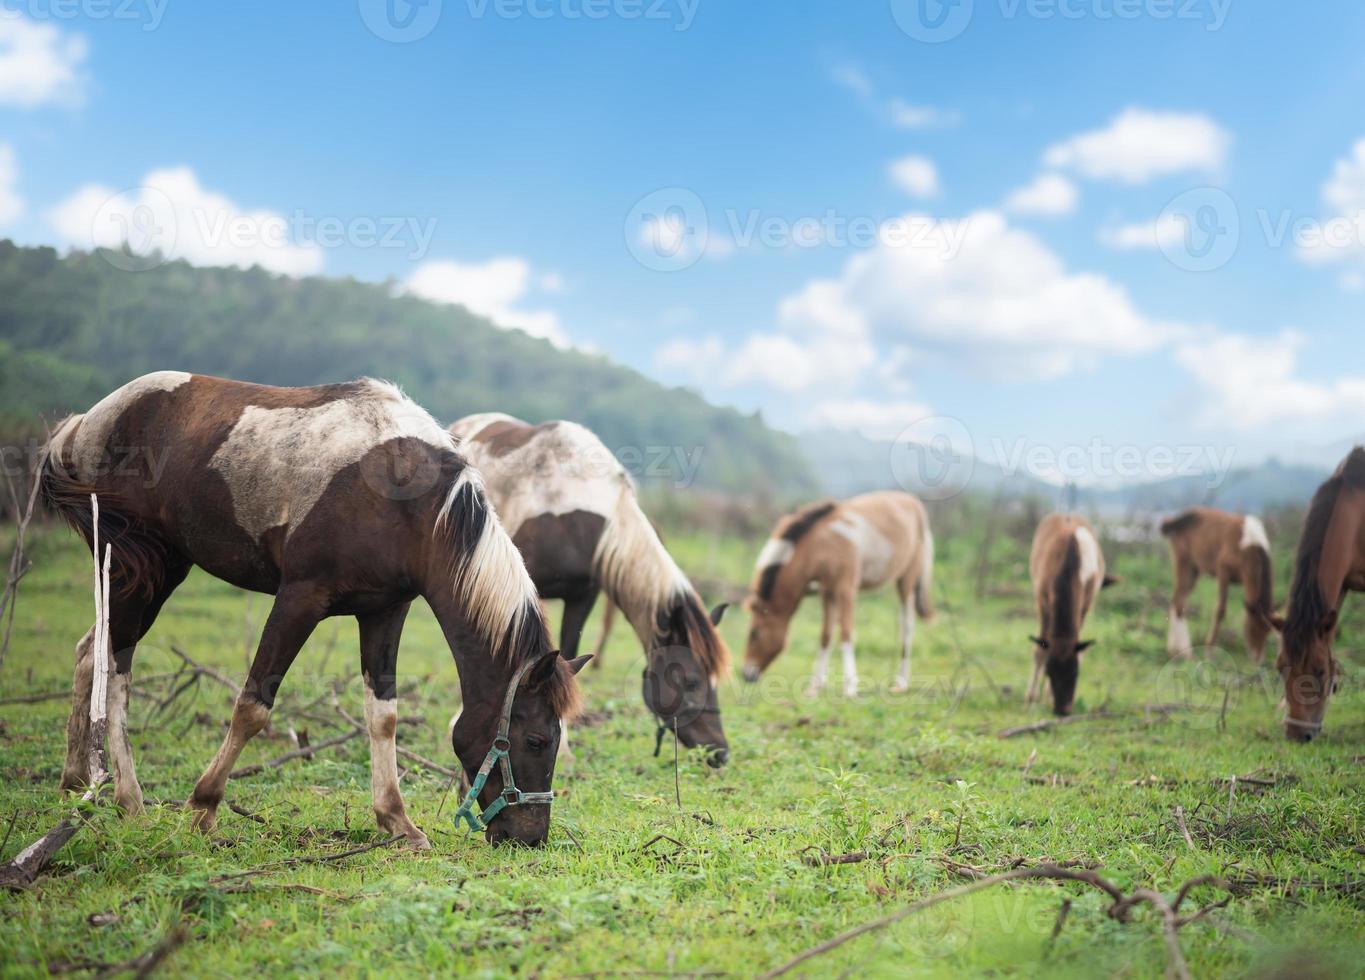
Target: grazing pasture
x=832, y=813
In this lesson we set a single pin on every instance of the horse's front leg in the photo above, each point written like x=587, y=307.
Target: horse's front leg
x=297, y=610
x=379, y=635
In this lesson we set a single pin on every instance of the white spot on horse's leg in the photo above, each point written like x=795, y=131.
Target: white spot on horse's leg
x=1178, y=642
x=127, y=792
x=820, y=673
x=850, y=669
x=381, y=723
x=902, y=682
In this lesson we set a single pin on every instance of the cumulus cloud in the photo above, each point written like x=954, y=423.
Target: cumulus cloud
x=493, y=289
x=39, y=65
x=1341, y=236
x=1139, y=145
x=1048, y=195
x=1167, y=231
x=894, y=111
x=11, y=204
x=171, y=212
x=916, y=175
x=1250, y=382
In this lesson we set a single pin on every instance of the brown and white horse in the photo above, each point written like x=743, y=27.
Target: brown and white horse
x=344, y=499
x=1067, y=569
x=839, y=549
x=1330, y=563
x=571, y=510
x=1234, y=549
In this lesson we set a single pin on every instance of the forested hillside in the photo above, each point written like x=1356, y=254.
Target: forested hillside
x=73, y=328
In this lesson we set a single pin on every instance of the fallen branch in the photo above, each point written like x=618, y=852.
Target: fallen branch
x=817, y=857
x=35, y=698
x=1047, y=723
x=1184, y=829
x=18, y=564
x=312, y=859
x=1119, y=910
x=143, y=965
x=308, y=752
x=208, y=672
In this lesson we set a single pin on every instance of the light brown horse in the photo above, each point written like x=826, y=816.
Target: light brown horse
x=340, y=500
x=1067, y=569
x=838, y=549
x=1234, y=549
x=571, y=509
x=1330, y=563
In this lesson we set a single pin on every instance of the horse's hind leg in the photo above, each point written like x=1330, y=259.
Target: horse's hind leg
x=76, y=772
x=1178, y=637
x=379, y=635
x=1212, y=639
x=298, y=609
x=906, y=589
x=608, y=621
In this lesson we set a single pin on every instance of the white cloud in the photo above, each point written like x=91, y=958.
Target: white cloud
x=492, y=289
x=875, y=420
x=1139, y=145
x=1049, y=194
x=172, y=212
x=1167, y=231
x=1250, y=382
x=991, y=296
x=1341, y=236
x=916, y=175
x=39, y=65
x=11, y=204
x=895, y=111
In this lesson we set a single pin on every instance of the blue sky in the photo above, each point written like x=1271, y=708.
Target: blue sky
x=507, y=151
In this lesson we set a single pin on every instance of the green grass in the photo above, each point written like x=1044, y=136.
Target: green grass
x=900, y=777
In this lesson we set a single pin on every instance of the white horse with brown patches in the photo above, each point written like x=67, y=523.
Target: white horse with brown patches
x=571, y=510
x=344, y=499
x=838, y=550
x=1235, y=550
x=1067, y=569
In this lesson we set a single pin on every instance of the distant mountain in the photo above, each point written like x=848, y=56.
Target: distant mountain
x=73, y=328
x=1256, y=488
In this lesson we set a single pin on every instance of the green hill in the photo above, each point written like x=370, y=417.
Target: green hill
x=73, y=328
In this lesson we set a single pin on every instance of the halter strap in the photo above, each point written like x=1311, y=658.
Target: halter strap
x=500, y=755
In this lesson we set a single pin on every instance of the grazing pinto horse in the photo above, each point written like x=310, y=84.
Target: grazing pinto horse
x=344, y=499
x=838, y=549
x=1234, y=549
x=1067, y=568
x=571, y=510
x=1330, y=563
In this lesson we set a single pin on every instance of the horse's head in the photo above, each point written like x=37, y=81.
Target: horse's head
x=767, y=637
x=543, y=699
x=679, y=682
x=1310, y=673
x=1063, y=668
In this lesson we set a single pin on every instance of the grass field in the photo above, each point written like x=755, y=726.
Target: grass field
x=632, y=885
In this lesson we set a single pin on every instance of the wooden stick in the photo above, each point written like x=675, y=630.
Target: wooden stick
x=296, y=754
x=1039, y=726
x=209, y=672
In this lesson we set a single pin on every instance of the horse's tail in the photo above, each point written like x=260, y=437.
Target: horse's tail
x=924, y=604
x=138, y=555
x=1178, y=524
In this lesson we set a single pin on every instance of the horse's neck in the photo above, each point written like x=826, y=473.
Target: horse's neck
x=483, y=676
x=1343, y=552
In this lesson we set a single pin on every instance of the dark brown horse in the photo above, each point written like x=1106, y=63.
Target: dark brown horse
x=571, y=509
x=1330, y=563
x=345, y=499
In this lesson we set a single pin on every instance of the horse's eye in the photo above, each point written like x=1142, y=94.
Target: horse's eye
x=692, y=684
x=536, y=743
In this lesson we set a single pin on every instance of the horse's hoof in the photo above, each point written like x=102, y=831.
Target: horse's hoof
x=73, y=782
x=131, y=804
x=900, y=687
x=204, y=819
x=417, y=841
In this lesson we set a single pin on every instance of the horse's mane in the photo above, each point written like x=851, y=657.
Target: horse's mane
x=1179, y=523
x=1064, y=589
x=791, y=529
x=1308, y=606
x=491, y=581
x=687, y=617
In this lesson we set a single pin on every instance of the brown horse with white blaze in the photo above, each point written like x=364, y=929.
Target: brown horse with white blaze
x=1234, y=549
x=1067, y=569
x=1330, y=563
x=838, y=549
x=344, y=499
x=571, y=509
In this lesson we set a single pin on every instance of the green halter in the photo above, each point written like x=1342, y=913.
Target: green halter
x=500, y=755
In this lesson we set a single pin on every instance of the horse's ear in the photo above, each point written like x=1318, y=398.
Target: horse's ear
x=1110, y=580
x=543, y=671
x=718, y=612
x=1041, y=643
x=1269, y=620
x=1328, y=624
x=1084, y=645
x=578, y=663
